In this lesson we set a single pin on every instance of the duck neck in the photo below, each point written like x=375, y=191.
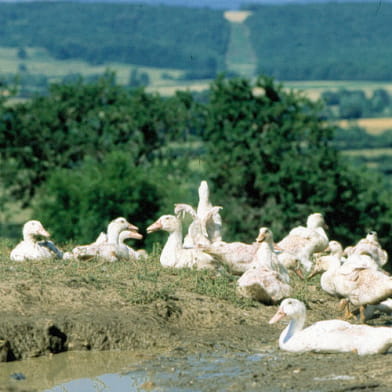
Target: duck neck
x=264, y=256
x=322, y=232
x=113, y=235
x=204, y=200
x=295, y=325
x=173, y=244
x=29, y=237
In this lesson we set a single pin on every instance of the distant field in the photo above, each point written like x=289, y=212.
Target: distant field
x=38, y=62
x=374, y=126
x=369, y=152
x=314, y=88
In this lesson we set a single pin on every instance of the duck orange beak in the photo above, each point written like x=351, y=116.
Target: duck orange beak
x=132, y=227
x=154, y=227
x=136, y=235
x=277, y=316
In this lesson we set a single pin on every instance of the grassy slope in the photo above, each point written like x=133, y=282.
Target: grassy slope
x=240, y=57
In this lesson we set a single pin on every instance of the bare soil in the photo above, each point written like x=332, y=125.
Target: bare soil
x=41, y=319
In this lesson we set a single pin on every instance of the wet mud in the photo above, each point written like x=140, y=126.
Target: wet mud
x=36, y=322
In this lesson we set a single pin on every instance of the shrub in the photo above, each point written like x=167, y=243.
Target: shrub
x=78, y=204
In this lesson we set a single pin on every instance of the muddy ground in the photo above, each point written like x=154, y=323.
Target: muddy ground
x=42, y=319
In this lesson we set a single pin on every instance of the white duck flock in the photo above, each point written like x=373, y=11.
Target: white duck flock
x=357, y=281
x=329, y=336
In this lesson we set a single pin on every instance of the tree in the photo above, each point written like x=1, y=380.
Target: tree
x=270, y=161
x=81, y=119
x=78, y=204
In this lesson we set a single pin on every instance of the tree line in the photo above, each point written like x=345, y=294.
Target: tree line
x=193, y=40
x=89, y=151
x=329, y=41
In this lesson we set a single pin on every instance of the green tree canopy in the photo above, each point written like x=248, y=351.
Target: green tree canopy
x=82, y=119
x=271, y=162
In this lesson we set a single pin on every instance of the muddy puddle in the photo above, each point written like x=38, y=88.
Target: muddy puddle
x=180, y=371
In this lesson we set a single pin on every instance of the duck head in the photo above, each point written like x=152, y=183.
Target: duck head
x=291, y=308
x=34, y=229
x=168, y=223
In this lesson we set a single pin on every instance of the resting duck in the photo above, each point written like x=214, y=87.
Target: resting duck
x=33, y=247
x=266, y=280
x=302, y=242
x=329, y=336
x=109, y=249
x=130, y=253
x=173, y=253
x=238, y=256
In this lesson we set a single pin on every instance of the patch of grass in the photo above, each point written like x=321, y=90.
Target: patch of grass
x=139, y=282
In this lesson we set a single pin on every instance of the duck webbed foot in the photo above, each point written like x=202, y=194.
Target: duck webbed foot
x=344, y=306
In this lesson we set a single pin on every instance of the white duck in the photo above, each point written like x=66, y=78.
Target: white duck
x=197, y=235
x=362, y=286
x=111, y=249
x=369, y=246
x=129, y=252
x=238, y=256
x=213, y=225
x=329, y=336
x=266, y=280
x=331, y=259
x=303, y=242
x=173, y=253
x=33, y=247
